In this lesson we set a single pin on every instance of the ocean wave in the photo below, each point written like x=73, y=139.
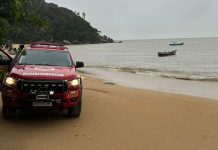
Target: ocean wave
x=161, y=73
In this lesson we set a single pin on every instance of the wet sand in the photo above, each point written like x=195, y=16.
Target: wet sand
x=119, y=118
x=206, y=89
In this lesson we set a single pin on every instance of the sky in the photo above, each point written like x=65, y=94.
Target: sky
x=149, y=19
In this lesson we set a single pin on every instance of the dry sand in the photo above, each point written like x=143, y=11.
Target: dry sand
x=119, y=118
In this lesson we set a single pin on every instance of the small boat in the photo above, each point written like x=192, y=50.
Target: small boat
x=176, y=43
x=169, y=53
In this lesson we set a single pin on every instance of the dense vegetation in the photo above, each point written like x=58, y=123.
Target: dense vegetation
x=62, y=25
x=13, y=12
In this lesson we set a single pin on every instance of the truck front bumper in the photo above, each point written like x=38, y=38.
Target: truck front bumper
x=41, y=99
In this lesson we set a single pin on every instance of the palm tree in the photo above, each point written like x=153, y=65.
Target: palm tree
x=84, y=15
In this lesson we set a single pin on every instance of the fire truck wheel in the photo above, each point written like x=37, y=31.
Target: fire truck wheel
x=74, y=112
x=8, y=112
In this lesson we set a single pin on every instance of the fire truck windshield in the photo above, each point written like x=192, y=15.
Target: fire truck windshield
x=45, y=57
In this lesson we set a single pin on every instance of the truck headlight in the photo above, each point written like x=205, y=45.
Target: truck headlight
x=10, y=81
x=75, y=82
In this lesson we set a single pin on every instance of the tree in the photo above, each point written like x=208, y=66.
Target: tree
x=12, y=12
x=84, y=15
x=63, y=23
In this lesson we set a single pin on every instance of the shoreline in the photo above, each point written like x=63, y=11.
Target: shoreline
x=160, y=73
x=204, y=89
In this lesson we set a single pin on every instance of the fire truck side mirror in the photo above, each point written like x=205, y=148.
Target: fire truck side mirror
x=79, y=64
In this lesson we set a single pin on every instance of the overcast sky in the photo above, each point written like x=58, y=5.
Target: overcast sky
x=149, y=19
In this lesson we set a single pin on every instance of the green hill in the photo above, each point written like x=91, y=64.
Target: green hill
x=64, y=25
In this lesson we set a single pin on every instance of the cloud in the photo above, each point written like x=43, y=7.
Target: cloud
x=127, y=19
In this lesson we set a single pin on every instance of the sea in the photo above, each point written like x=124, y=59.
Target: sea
x=135, y=63
x=196, y=60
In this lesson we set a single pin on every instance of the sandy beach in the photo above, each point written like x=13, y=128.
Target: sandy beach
x=119, y=118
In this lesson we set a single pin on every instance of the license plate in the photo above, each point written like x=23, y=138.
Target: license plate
x=42, y=104
x=42, y=97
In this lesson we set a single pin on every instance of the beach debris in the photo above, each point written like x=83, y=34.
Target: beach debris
x=110, y=83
